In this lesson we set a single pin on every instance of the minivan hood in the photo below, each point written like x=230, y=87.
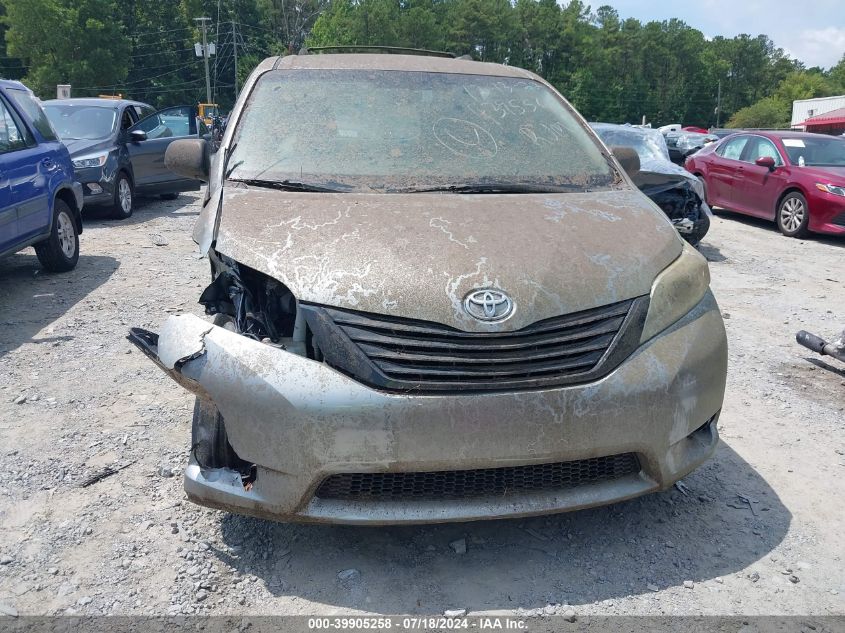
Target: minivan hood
x=418, y=255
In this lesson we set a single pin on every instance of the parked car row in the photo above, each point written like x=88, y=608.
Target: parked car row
x=60, y=155
x=796, y=179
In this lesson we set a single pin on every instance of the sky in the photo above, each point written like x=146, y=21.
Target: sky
x=811, y=31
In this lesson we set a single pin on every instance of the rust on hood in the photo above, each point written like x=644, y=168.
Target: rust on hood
x=418, y=255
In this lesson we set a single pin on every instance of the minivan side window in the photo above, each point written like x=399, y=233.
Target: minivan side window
x=26, y=102
x=11, y=136
x=733, y=148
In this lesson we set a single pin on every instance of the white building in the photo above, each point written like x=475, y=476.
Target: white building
x=806, y=108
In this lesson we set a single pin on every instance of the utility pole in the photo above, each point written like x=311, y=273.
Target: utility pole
x=204, y=22
x=719, y=103
x=235, y=46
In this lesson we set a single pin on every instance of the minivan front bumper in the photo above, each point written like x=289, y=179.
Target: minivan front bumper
x=300, y=422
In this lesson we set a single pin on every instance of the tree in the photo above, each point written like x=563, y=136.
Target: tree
x=769, y=112
x=775, y=111
x=836, y=76
x=80, y=42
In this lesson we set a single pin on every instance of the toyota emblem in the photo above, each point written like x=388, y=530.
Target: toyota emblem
x=488, y=305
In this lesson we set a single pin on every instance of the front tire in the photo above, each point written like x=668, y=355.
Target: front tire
x=60, y=252
x=124, y=197
x=793, y=215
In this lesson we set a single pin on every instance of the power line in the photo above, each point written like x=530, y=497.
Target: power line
x=161, y=42
x=183, y=28
x=138, y=81
x=164, y=52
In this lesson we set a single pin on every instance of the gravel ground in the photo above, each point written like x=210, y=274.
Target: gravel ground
x=757, y=530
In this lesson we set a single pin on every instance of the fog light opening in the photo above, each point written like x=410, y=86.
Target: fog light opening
x=93, y=187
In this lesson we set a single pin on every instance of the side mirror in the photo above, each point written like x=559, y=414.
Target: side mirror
x=136, y=136
x=766, y=161
x=188, y=157
x=628, y=158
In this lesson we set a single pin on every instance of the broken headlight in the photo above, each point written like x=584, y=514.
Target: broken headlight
x=676, y=291
x=253, y=304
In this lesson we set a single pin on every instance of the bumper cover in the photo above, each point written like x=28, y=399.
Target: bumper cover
x=300, y=421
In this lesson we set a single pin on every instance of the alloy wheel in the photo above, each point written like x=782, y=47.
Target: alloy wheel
x=792, y=214
x=66, y=235
x=124, y=195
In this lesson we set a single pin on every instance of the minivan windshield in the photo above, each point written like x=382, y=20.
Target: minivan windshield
x=388, y=131
x=74, y=122
x=815, y=151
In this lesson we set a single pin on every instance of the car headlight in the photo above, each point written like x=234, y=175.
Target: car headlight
x=834, y=189
x=91, y=160
x=676, y=291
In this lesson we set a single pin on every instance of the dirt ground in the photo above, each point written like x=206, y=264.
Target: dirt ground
x=757, y=530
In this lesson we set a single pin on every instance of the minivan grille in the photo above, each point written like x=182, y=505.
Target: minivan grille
x=483, y=482
x=409, y=355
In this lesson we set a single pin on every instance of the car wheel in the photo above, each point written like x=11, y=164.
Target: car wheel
x=124, y=198
x=169, y=196
x=793, y=215
x=60, y=252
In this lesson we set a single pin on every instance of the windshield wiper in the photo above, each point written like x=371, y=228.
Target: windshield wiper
x=286, y=185
x=493, y=187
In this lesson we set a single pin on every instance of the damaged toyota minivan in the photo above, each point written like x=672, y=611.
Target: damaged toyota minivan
x=435, y=296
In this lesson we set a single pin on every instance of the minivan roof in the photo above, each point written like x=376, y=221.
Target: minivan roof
x=417, y=63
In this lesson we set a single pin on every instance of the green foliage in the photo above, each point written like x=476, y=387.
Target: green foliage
x=67, y=41
x=775, y=111
x=768, y=112
x=612, y=69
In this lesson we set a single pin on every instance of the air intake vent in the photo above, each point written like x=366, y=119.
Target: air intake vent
x=485, y=482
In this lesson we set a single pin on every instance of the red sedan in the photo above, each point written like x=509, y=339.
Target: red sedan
x=794, y=178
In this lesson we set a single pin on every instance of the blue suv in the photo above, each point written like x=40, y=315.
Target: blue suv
x=40, y=202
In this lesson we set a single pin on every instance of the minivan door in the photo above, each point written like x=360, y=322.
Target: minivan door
x=147, y=141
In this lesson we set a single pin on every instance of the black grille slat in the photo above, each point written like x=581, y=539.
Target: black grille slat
x=484, y=482
x=475, y=343
x=401, y=327
x=408, y=355
x=492, y=371
x=485, y=357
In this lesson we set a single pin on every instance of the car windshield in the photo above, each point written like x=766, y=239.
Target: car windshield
x=649, y=144
x=74, y=122
x=816, y=151
x=406, y=131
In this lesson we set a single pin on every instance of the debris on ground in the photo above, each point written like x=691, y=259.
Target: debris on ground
x=108, y=471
